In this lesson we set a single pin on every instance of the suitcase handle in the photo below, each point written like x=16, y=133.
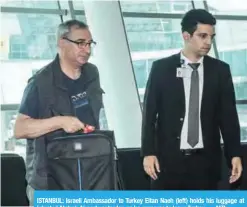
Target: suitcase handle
x=61, y=134
x=75, y=135
x=98, y=132
x=61, y=131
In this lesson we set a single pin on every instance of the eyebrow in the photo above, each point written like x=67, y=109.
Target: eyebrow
x=206, y=33
x=83, y=40
x=203, y=33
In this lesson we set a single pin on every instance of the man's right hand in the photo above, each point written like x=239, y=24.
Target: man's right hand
x=151, y=166
x=71, y=124
x=27, y=127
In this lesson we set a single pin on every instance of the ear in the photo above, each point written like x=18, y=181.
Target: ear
x=60, y=42
x=186, y=36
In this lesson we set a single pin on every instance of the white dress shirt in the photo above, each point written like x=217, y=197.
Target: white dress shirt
x=187, y=80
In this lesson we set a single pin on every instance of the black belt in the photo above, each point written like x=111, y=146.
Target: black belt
x=191, y=151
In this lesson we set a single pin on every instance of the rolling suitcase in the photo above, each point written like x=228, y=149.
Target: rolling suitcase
x=83, y=162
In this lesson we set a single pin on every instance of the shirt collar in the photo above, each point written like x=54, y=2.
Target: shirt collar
x=186, y=60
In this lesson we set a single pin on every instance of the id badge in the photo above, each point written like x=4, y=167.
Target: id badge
x=183, y=73
x=179, y=73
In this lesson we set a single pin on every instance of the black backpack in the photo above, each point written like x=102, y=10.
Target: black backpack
x=83, y=162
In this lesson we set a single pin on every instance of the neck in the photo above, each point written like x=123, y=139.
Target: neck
x=190, y=55
x=69, y=69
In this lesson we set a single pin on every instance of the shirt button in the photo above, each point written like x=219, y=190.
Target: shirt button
x=178, y=137
x=181, y=119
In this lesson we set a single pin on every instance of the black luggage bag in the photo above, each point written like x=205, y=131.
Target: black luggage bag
x=83, y=162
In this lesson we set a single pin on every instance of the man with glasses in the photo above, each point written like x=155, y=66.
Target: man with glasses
x=65, y=94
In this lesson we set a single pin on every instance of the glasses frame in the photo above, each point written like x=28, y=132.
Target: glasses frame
x=82, y=44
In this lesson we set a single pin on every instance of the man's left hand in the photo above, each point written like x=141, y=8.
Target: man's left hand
x=236, y=169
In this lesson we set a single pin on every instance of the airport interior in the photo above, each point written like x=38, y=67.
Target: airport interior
x=130, y=36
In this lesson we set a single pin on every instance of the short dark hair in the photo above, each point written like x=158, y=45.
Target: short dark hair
x=65, y=27
x=195, y=16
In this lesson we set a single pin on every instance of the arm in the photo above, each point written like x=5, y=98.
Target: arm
x=28, y=124
x=150, y=113
x=27, y=127
x=229, y=123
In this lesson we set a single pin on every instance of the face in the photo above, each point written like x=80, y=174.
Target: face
x=200, y=42
x=76, y=47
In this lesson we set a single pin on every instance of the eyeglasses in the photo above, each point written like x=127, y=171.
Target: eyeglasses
x=82, y=44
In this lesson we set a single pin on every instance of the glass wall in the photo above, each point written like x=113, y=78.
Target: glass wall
x=151, y=38
x=166, y=6
x=28, y=42
x=227, y=7
x=232, y=48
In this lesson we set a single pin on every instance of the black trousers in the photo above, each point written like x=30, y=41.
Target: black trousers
x=192, y=174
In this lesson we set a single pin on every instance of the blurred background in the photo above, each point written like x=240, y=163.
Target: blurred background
x=28, y=42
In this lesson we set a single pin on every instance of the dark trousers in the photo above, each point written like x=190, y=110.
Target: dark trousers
x=192, y=174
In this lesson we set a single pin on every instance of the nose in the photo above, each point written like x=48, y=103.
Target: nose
x=86, y=49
